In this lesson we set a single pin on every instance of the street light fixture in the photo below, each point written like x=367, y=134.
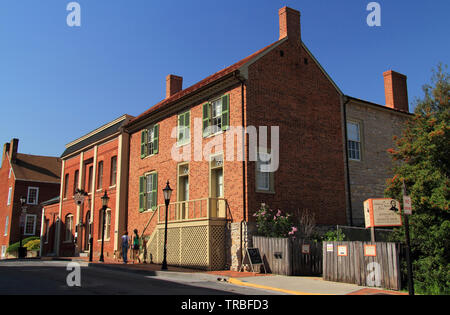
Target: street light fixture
x=105, y=200
x=167, y=194
x=23, y=211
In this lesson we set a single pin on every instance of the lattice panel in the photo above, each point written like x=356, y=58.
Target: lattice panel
x=194, y=247
x=152, y=248
x=217, y=240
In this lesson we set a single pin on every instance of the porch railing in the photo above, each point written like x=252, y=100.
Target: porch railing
x=194, y=210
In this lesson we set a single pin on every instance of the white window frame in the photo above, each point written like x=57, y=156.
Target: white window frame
x=26, y=224
x=3, y=254
x=66, y=240
x=10, y=172
x=6, y=226
x=37, y=196
x=107, y=225
x=352, y=151
x=269, y=176
x=9, y=196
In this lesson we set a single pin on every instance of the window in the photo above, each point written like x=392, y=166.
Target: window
x=30, y=224
x=69, y=228
x=150, y=141
x=10, y=171
x=107, y=224
x=216, y=116
x=33, y=195
x=184, y=128
x=3, y=251
x=264, y=178
x=9, y=196
x=90, y=174
x=6, y=225
x=148, y=192
x=113, y=179
x=100, y=175
x=75, y=181
x=66, y=185
x=47, y=230
x=354, y=141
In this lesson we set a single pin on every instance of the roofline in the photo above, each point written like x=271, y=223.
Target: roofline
x=383, y=107
x=91, y=145
x=90, y=134
x=322, y=69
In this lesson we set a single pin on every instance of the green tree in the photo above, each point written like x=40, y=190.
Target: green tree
x=422, y=160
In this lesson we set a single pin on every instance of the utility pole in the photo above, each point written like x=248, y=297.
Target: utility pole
x=408, y=246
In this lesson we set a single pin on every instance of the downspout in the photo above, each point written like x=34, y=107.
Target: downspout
x=244, y=152
x=346, y=100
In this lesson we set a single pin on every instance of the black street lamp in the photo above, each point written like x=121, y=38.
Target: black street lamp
x=23, y=211
x=167, y=194
x=105, y=200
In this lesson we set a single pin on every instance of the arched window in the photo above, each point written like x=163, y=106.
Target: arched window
x=69, y=228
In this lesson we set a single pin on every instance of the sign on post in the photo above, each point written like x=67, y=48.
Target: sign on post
x=382, y=213
x=407, y=205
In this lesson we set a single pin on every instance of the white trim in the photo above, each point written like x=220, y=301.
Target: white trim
x=6, y=226
x=37, y=195
x=9, y=196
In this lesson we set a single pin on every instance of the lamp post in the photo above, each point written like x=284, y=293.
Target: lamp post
x=167, y=194
x=105, y=200
x=23, y=211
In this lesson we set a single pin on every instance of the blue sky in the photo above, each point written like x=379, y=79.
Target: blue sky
x=58, y=83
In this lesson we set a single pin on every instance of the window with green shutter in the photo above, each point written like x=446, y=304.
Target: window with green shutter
x=150, y=141
x=184, y=128
x=216, y=116
x=148, y=192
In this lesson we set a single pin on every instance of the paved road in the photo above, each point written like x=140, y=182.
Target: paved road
x=49, y=278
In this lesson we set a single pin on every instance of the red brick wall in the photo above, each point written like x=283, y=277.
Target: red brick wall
x=284, y=91
x=5, y=210
x=167, y=167
x=105, y=152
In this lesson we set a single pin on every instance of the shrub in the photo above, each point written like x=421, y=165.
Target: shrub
x=33, y=245
x=15, y=247
x=273, y=223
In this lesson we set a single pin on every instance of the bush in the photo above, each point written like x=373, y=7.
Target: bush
x=273, y=223
x=15, y=247
x=334, y=236
x=33, y=245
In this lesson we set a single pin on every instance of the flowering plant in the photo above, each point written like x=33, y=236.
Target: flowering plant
x=274, y=223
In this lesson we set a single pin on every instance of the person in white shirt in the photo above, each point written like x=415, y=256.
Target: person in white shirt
x=125, y=245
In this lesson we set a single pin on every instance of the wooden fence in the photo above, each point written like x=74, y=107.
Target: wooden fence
x=288, y=257
x=361, y=263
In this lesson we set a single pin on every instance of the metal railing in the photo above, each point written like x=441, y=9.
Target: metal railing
x=194, y=210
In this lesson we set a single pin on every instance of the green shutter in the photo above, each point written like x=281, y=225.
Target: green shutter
x=206, y=119
x=142, y=188
x=144, y=135
x=155, y=191
x=225, y=112
x=180, y=128
x=187, y=126
x=156, y=139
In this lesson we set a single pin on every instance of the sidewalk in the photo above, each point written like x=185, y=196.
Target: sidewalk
x=276, y=283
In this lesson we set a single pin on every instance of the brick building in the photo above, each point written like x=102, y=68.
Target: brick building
x=216, y=193
x=370, y=131
x=37, y=178
x=94, y=163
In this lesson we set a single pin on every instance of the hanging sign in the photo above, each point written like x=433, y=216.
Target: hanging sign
x=342, y=251
x=306, y=249
x=382, y=213
x=370, y=250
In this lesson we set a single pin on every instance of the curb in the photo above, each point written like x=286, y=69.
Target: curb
x=258, y=286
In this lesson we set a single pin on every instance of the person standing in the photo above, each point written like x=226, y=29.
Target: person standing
x=125, y=245
x=136, y=246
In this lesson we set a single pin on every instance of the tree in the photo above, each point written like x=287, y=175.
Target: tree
x=422, y=159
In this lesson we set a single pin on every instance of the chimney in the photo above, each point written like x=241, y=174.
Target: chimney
x=13, y=152
x=290, y=24
x=396, y=90
x=174, y=84
x=5, y=150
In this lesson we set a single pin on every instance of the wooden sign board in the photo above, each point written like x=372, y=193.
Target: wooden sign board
x=254, y=256
x=382, y=213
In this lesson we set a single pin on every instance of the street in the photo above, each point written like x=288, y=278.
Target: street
x=36, y=277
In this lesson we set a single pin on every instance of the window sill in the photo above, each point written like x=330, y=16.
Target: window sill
x=270, y=192
x=106, y=240
x=147, y=211
x=182, y=144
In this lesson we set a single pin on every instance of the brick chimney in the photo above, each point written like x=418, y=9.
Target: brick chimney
x=290, y=24
x=5, y=151
x=13, y=150
x=396, y=90
x=174, y=84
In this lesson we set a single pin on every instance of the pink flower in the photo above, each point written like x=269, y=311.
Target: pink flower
x=278, y=213
x=275, y=217
x=294, y=229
